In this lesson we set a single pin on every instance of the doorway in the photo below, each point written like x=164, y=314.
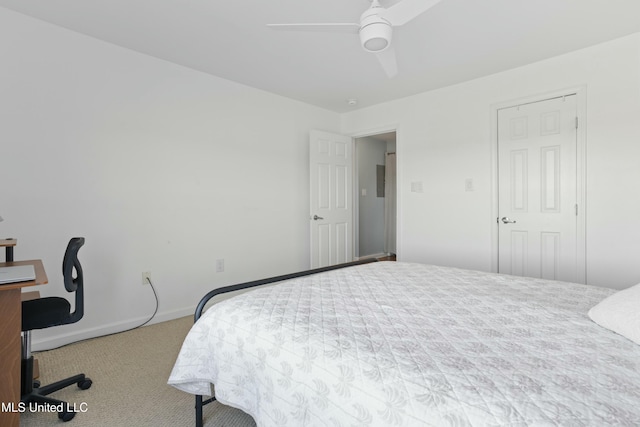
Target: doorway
x=375, y=195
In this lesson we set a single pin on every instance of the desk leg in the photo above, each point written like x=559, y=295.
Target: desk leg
x=9, y=254
x=11, y=317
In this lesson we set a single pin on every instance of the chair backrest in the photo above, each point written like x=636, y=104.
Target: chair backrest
x=74, y=283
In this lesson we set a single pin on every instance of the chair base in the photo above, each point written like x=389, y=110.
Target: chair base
x=36, y=396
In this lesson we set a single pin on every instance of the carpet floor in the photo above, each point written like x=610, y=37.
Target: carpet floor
x=129, y=373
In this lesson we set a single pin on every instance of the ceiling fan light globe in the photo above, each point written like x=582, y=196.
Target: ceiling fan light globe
x=376, y=44
x=375, y=37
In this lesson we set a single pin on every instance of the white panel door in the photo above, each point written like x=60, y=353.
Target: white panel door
x=537, y=182
x=331, y=211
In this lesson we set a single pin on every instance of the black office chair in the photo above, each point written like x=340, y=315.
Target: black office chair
x=47, y=312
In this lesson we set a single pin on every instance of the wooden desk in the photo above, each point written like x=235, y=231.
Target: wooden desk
x=8, y=245
x=10, y=329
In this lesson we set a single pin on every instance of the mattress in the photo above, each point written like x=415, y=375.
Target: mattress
x=402, y=344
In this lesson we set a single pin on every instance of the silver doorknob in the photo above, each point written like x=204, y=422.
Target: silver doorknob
x=507, y=220
x=316, y=217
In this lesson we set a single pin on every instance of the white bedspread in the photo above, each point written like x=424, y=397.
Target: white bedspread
x=399, y=344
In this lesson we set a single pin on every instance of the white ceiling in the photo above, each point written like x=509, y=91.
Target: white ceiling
x=456, y=40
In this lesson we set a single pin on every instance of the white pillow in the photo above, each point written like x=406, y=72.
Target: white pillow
x=620, y=313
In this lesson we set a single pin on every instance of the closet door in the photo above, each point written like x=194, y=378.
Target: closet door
x=537, y=182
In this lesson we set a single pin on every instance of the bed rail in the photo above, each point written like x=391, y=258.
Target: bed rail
x=200, y=401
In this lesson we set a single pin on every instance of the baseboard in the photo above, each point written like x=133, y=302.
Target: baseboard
x=51, y=342
x=380, y=255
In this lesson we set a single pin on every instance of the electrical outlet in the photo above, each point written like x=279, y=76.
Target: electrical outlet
x=468, y=184
x=219, y=265
x=146, y=277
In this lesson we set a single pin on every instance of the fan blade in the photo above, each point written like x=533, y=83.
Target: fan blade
x=387, y=59
x=406, y=10
x=325, y=28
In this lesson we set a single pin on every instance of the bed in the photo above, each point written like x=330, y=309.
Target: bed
x=403, y=344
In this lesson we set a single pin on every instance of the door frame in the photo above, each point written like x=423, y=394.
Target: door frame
x=356, y=205
x=581, y=170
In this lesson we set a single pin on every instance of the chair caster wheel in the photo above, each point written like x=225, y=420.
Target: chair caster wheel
x=36, y=384
x=66, y=415
x=85, y=384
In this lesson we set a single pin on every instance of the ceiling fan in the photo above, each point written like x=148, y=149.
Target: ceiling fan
x=375, y=28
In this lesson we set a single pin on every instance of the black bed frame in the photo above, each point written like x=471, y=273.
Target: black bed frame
x=200, y=402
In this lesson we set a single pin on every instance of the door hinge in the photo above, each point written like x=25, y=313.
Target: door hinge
x=576, y=209
x=576, y=122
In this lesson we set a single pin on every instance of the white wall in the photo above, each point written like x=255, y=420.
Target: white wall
x=444, y=137
x=165, y=169
x=161, y=168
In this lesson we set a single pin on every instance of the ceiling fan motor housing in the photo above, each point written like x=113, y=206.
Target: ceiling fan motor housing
x=375, y=32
